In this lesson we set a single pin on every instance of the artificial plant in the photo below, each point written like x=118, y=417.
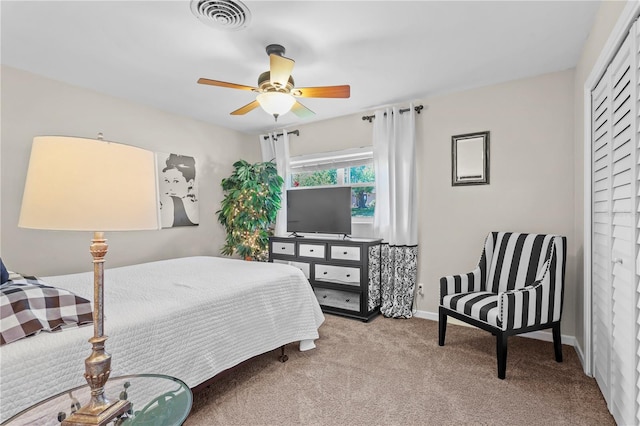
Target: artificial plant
x=251, y=202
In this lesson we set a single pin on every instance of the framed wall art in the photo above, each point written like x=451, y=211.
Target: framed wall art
x=178, y=191
x=470, y=159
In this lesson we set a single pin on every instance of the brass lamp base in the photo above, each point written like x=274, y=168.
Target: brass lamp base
x=99, y=411
x=87, y=416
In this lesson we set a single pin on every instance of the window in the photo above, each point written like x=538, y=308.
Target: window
x=353, y=167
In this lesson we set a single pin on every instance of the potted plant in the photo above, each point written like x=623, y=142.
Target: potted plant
x=249, y=208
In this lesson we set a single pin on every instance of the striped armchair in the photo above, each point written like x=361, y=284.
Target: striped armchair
x=516, y=288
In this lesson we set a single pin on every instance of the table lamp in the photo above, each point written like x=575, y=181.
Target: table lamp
x=77, y=184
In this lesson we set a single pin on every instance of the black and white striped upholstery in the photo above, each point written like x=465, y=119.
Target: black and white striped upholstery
x=517, y=287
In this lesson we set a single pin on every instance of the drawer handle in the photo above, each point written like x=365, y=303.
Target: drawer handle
x=310, y=250
x=348, y=275
x=325, y=272
x=345, y=252
x=347, y=300
x=283, y=248
x=324, y=297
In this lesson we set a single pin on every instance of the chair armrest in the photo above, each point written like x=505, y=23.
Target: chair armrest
x=527, y=306
x=464, y=283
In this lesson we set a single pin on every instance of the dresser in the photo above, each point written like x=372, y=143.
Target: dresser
x=344, y=273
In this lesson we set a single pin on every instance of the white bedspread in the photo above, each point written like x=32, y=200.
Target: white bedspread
x=189, y=318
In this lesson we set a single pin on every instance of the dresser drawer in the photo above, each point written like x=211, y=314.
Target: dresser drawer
x=338, y=299
x=283, y=248
x=311, y=250
x=338, y=274
x=345, y=253
x=303, y=266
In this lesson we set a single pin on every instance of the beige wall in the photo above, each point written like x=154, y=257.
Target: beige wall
x=604, y=23
x=531, y=161
x=531, y=176
x=331, y=135
x=33, y=105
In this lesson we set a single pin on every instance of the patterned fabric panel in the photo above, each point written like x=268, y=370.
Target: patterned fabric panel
x=398, y=280
x=557, y=267
x=28, y=306
x=374, y=277
x=541, y=302
x=480, y=305
x=485, y=261
x=518, y=259
x=454, y=284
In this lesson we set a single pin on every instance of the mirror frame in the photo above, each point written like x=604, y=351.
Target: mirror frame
x=482, y=163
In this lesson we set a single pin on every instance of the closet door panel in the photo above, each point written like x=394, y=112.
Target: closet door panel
x=601, y=234
x=623, y=247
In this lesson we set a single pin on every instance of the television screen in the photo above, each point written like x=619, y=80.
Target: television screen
x=323, y=210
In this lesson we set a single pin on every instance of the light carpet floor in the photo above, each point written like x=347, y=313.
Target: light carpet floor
x=392, y=372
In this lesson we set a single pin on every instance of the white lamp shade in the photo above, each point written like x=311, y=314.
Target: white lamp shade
x=276, y=103
x=82, y=184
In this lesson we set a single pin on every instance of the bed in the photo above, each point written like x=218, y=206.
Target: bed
x=190, y=318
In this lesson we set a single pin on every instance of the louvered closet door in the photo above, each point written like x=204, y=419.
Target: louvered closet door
x=615, y=216
x=601, y=234
x=623, y=253
x=635, y=61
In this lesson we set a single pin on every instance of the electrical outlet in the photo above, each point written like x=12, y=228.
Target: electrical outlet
x=421, y=289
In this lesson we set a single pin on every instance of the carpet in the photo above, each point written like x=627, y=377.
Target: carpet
x=392, y=372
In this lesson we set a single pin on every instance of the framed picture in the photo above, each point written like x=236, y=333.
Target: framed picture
x=178, y=190
x=470, y=159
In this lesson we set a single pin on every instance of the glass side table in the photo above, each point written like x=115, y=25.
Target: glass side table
x=156, y=400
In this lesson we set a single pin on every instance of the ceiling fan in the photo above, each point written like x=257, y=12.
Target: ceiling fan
x=276, y=90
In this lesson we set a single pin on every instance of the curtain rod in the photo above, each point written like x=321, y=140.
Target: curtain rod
x=293, y=132
x=370, y=118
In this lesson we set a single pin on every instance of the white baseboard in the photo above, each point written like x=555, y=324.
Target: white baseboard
x=426, y=315
x=581, y=357
x=538, y=335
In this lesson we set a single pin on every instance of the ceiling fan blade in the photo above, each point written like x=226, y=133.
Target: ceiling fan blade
x=301, y=110
x=225, y=84
x=280, y=69
x=323, y=92
x=245, y=109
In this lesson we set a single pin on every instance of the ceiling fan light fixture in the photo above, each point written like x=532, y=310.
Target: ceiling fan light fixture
x=276, y=89
x=276, y=103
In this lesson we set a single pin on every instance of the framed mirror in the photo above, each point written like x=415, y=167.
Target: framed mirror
x=470, y=159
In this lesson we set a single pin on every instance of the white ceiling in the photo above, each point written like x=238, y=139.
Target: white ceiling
x=153, y=52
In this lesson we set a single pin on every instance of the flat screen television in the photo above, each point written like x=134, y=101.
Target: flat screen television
x=321, y=210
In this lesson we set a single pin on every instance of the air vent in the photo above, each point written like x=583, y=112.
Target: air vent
x=225, y=15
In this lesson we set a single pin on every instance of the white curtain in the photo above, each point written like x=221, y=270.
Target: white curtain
x=396, y=213
x=275, y=147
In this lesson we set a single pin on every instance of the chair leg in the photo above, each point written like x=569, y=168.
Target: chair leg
x=501, y=352
x=442, y=327
x=557, y=342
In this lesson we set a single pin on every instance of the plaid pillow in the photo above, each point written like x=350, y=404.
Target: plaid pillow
x=28, y=306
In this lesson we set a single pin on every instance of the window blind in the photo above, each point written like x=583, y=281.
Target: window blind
x=331, y=160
